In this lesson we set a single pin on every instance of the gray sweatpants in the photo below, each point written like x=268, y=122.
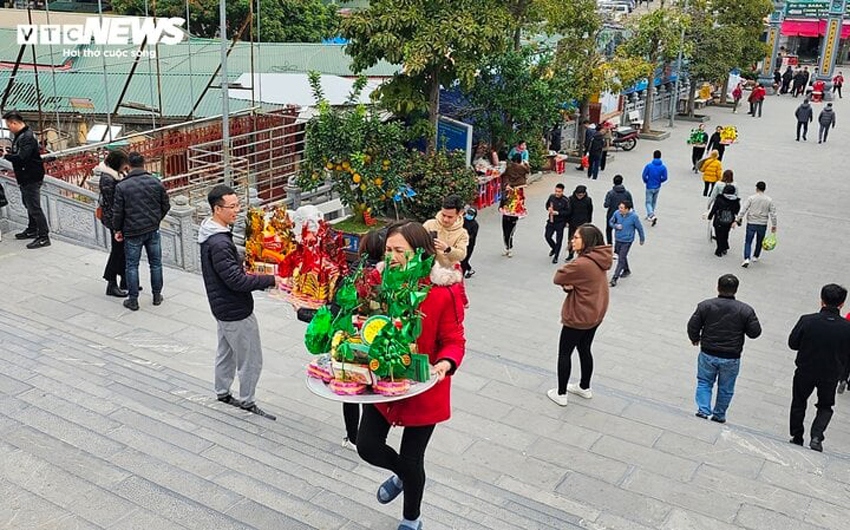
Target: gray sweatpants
x=239, y=351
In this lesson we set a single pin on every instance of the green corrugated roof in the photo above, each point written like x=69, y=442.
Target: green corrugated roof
x=205, y=57
x=179, y=93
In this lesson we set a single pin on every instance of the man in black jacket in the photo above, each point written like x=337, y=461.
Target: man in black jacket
x=581, y=212
x=613, y=198
x=25, y=157
x=229, y=293
x=141, y=204
x=558, y=210
x=822, y=342
x=718, y=327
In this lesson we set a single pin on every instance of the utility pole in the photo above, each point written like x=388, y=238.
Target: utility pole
x=674, y=101
x=225, y=103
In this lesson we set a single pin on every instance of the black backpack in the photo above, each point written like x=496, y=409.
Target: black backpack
x=725, y=217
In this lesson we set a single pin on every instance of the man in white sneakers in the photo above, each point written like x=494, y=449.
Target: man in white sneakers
x=758, y=209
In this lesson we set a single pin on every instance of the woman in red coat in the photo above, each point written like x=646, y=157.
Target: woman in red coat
x=443, y=340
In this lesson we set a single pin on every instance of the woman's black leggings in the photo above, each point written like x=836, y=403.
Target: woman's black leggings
x=707, y=189
x=408, y=464
x=351, y=416
x=508, y=228
x=571, y=339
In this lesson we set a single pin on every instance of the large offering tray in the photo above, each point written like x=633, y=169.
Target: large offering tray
x=321, y=389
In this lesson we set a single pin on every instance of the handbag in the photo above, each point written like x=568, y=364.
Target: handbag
x=585, y=161
x=3, y=200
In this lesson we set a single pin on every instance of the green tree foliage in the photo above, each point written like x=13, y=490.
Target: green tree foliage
x=434, y=177
x=657, y=38
x=280, y=20
x=439, y=42
x=355, y=150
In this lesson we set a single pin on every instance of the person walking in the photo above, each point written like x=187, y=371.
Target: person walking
x=801, y=80
x=715, y=142
x=586, y=284
x=737, y=94
x=718, y=327
x=804, y=115
x=728, y=179
x=558, y=213
x=609, y=141
x=757, y=210
x=787, y=77
x=25, y=157
x=141, y=203
x=580, y=212
x=470, y=224
x=443, y=339
x=822, y=343
x=712, y=170
x=626, y=222
x=514, y=177
x=589, y=131
x=756, y=100
x=613, y=198
x=594, y=152
x=654, y=175
x=826, y=121
x=698, y=139
x=111, y=171
x=228, y=289
x=451, y=240
x=722, y=214
x=837, y=83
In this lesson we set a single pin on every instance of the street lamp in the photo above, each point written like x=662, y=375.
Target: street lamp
x=225, y=103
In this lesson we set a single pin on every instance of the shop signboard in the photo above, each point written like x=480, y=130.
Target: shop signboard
x=809, y=9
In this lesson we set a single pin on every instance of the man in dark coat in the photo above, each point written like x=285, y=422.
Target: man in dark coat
x=558, y=210
x=804, y=115
x=25, y=158
x=229, y=294
x=141, y=204
x=613, y=198
x=822, y=342
x=787, y=76
x=581, y=212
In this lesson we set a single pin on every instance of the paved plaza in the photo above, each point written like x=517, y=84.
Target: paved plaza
x=108, y=418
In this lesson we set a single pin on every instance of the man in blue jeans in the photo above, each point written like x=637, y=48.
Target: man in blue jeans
x=654, y=175
x=718, y=327
x=141, y=204
x=758, y=209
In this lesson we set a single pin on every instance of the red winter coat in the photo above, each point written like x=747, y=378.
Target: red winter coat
x=442, y=338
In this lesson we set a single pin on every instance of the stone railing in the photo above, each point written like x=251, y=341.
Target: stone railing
x=70, y=213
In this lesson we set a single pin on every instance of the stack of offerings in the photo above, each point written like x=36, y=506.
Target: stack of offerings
x=313, y=269
x=268, y=239
x=369, y=344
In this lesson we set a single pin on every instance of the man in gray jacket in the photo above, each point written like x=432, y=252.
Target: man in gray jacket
x=757, y=210
x=804, y=116
x=826, y=120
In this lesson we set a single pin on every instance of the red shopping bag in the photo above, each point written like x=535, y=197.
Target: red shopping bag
x=585, y=161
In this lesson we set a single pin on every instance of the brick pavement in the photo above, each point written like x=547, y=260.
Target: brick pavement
x=108, y=419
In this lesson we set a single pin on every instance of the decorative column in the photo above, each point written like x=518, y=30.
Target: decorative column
x=183, y=213
x=831, y=44
x=776, y=17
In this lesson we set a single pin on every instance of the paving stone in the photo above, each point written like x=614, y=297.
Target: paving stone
x=695, y=498
x=726, y=457
x=614, y=500
x=22, y=509
x=662, y=463
x=180, y=437
x=755, y=518
x=67, y=431
x=140, y=519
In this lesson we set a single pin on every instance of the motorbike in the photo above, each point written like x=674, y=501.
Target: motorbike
x=624, y=138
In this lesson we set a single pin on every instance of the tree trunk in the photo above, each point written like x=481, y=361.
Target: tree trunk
x=725, y=90
x=583, y=113
x=647, y=109
x=517, y=38
x=433, y=109
x=691, y=97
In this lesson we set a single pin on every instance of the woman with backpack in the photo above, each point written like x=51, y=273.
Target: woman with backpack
x=722, y=214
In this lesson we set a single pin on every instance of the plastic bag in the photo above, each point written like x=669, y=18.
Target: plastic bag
x=769, y=242
x=585, y=161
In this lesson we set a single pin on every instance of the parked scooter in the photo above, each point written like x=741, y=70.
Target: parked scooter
x=624, y=138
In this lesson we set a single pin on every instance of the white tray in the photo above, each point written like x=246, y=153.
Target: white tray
x=321, y=389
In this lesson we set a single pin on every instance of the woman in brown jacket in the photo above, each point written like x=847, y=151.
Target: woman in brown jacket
x=585, y=281
x=515, y=175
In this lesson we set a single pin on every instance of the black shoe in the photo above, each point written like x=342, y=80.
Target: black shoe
x=113, y=290
x=25, y=235
x=254, y=409
x=654, y=220
x=613, y=282
x=131, y=304
x=625, y=273
x=569, y=256
x=157, y=298
x=552, y=252
x=555, y=259
x=469, y=274
x=718, y=253
x=230, y=400
x=39, y=242
x=701, y=415
x=718, y=420
x=797, y=440
x=817, y=445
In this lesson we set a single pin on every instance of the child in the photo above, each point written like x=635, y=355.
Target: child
x=471, y=227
